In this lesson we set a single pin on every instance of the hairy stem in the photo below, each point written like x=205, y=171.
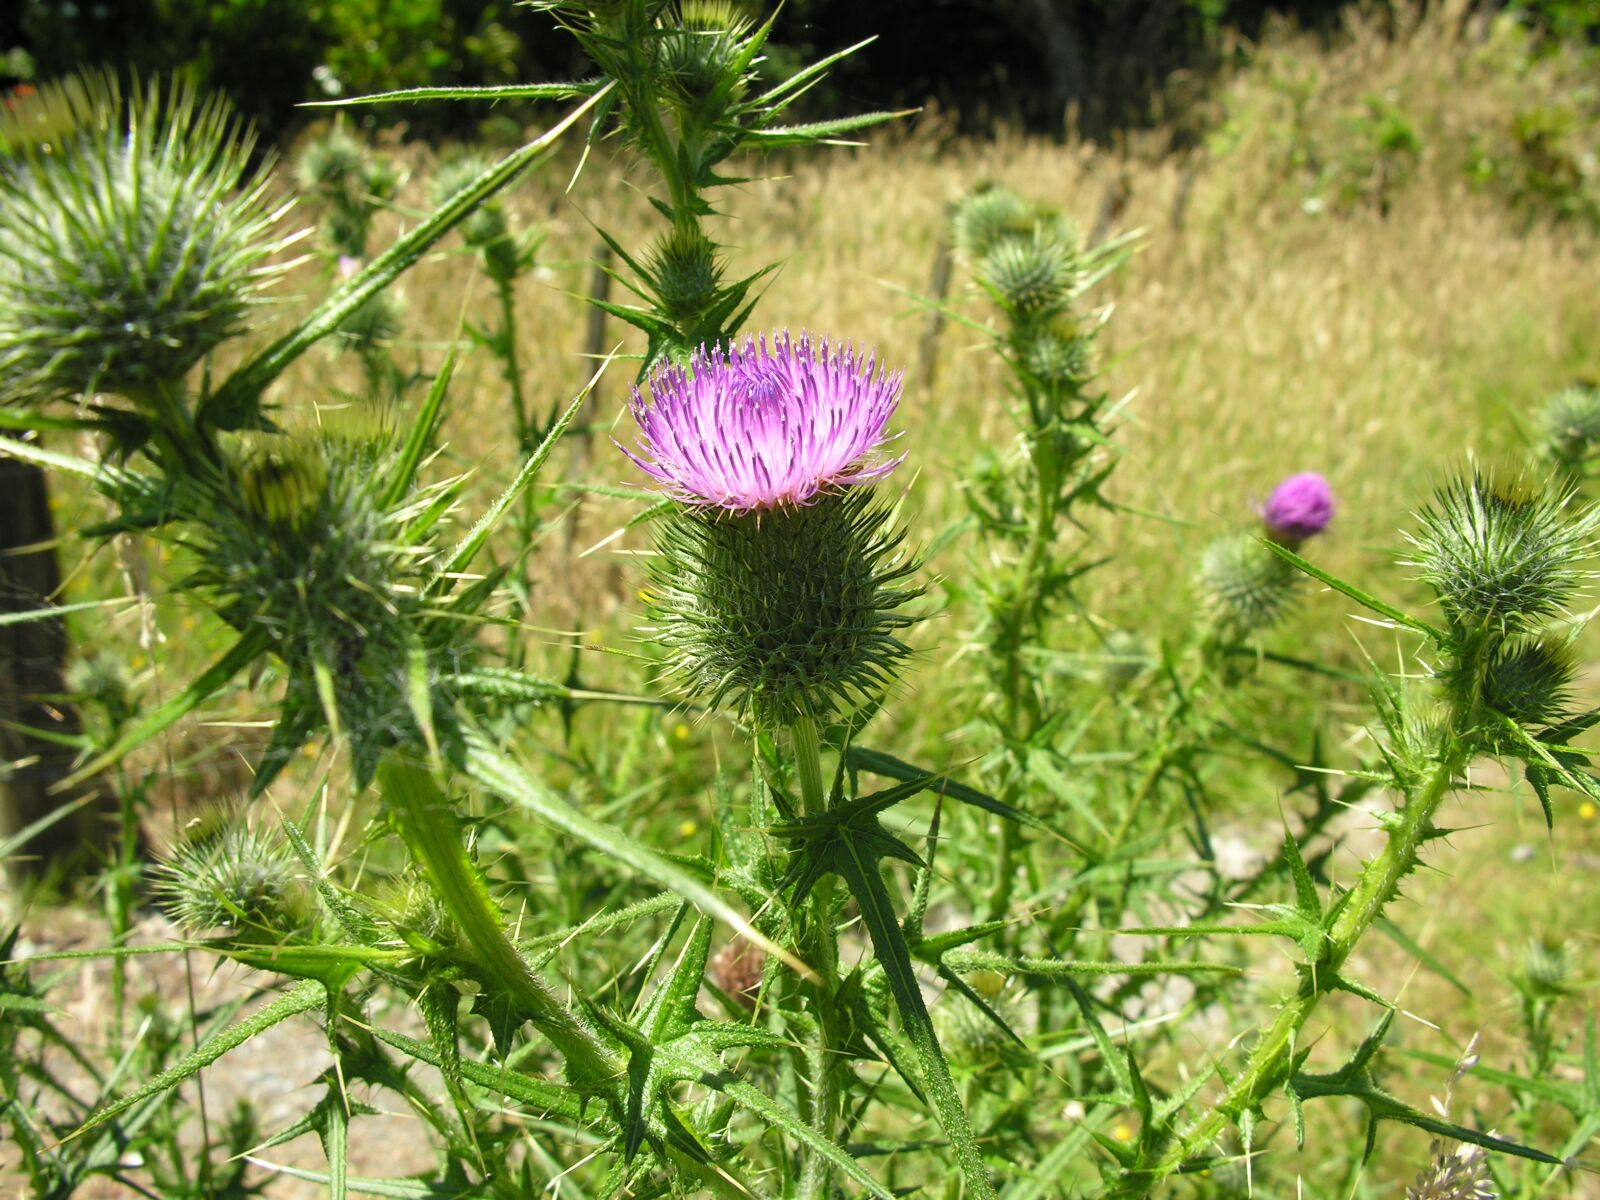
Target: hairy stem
x=821, y=949
x=1270, y=1062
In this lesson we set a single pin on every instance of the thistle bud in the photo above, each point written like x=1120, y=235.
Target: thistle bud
x=373, y=326
x=486, y=229
x=129, y=248
x=1243, y=585
x=986, y=218
x=1055, y=354
x=1033, y=275
x=1545, y=967
x=1571, y=426
x=225, y=875
x=685, y=273
x=698, y=55
x=1501, y=555
x=1529, y=680
x=969, y=1034
x=330, y=163
x=778, y=580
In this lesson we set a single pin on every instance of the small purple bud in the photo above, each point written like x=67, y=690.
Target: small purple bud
x=1299, y=508
x=348, y=265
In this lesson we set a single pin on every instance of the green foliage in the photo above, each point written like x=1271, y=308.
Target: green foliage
x=503, y=879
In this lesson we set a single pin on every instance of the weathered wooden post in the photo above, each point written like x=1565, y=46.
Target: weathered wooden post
x=32, y=655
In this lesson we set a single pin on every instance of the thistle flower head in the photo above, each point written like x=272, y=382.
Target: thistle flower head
x=763, y=426
x=1501, y=554
x=129, y=247
x=1300, y=507
x=778, y=581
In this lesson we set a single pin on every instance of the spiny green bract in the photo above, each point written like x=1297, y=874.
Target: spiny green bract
x=783, y=614
x=698, y=55
x=131, y=248
x=1243, y=585
x=1501, y=554
x=685, y=273
x=1055, y=354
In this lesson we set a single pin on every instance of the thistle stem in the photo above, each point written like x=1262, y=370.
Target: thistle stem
x=1270, y=1062
x=421, y=811
x=822, y=951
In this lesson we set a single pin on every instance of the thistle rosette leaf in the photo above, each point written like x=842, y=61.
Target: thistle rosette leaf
x=131, y=245
x=779, y=582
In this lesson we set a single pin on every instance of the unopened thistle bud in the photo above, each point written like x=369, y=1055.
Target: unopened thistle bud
x=374, y=324
x=330, y=163
x=1545, y=967
x=225, y=875
x=778, y=580
x=1033, y=275
x=281, y=478
x=1244, y=586
x=697, y=55
x=486, y=229
x=986, y=218
x=1500, y=554
x=1571, y=425
x=1529, y=680
x=685, y=273
x=129, y=247
x=1055, y=354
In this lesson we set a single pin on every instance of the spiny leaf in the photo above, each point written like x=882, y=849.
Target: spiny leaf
x=299, y=999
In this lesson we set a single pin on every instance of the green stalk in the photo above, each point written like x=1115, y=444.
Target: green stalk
x=428, y=826
x=821, y=949
x=527, y=436
x=1270, y=1061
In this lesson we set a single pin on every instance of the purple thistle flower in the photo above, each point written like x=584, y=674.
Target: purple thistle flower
x=759, y=427
x=1299, y=508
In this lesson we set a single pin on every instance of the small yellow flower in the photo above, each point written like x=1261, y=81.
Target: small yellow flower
x=1123, y=1132
x=681, y=731
x=1587, y=811
x=687, y=829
